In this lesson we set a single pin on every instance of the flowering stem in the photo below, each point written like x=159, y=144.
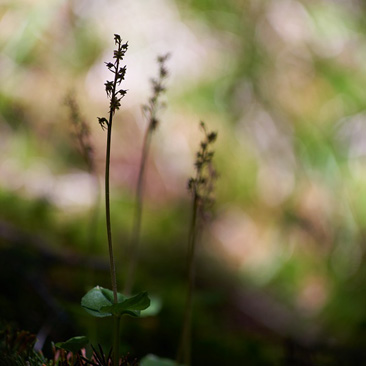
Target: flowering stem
x=201, y=189
x=151, y=109
x=184, y=351
x=137, y=215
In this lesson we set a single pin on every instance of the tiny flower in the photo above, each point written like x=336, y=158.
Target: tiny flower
x=122, y=73
x=103, y=122
x=110, y=65
x=115, y=103
x=212, y=136
x=122, y=92
x=117, y=38
x=108, y=87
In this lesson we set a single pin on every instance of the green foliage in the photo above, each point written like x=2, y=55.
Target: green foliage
x=130, y=306
x=73, y=344
x=97, y=298
x=99, y=303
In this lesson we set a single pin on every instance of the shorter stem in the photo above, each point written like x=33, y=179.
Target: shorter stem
x=117, y=324
x=135, y=242
x=184, y=351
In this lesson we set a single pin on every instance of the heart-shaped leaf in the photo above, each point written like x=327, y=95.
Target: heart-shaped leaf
x=74, y=344
x=99, y=302
x=130, y=306
x=96, y=298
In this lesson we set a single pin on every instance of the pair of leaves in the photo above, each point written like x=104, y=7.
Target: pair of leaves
x=99, y=302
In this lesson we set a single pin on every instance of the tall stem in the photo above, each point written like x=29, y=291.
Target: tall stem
x=110, y=247
x=184, y=351
x=151, y=110
x=135, y=242
x=108, y=214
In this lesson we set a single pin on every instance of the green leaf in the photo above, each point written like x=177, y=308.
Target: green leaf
x=130, y=306
x=99, y=302
x=152, y=360
x=97, y=298
x=74, y=344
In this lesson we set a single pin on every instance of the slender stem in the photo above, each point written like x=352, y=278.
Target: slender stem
x=151, y=110
x=108, y=214
x=110, y=247
x=184, y=351
x=135, y=242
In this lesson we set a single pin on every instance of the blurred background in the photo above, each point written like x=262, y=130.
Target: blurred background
x=281, y=276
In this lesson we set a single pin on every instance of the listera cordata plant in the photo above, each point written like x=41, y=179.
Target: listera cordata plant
x=150, y=111
x=101, y=302
x=115, y=95
x=201, y=187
